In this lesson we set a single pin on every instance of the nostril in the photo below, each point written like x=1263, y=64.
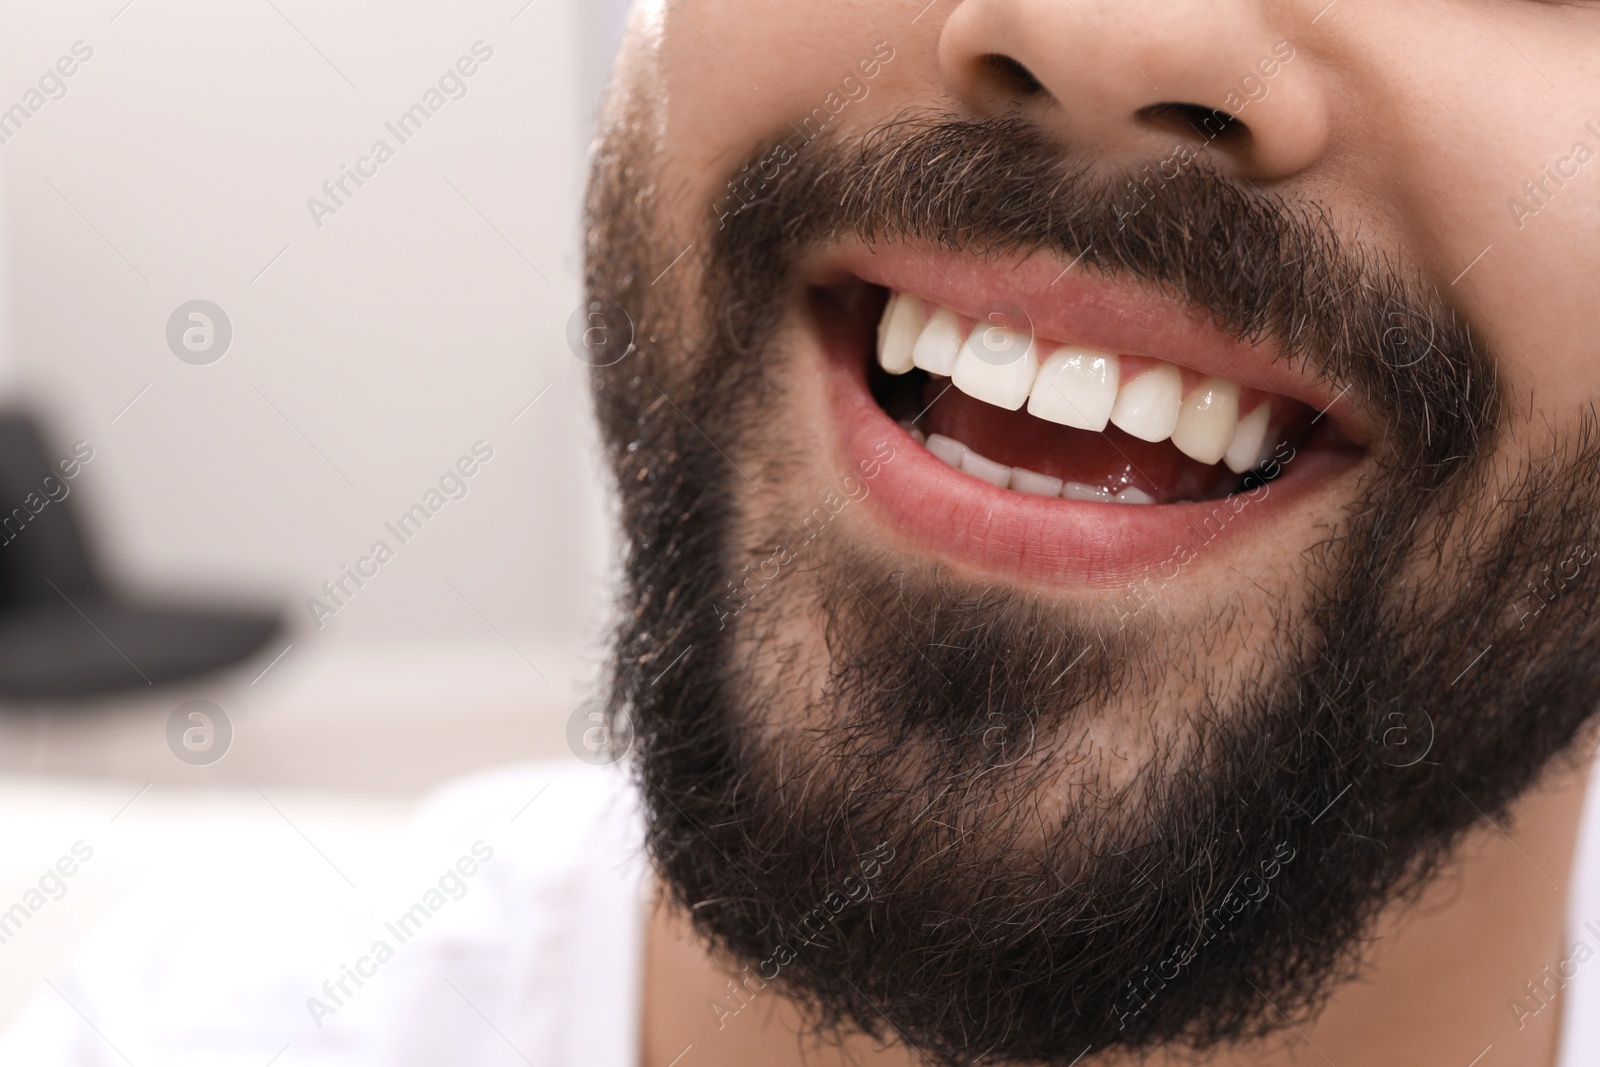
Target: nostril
x=1013, y=77
x=1208, y=123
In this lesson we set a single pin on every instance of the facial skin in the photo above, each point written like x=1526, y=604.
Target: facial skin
x=1099, y=775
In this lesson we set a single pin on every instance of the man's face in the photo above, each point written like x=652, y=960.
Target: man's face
x=1108, y=486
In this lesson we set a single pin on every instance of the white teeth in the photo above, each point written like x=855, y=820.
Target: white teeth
x=1073, y=386
x=1023, y=480
x=987, y=469
x=902, y=322
x=997, y=366
x=1026, y=481
x=947, y=448
x=1244, y=452
x=1092, y=493
x=1076, y=387
x=1207, y=420
x=1147, y=407
x=938, y=343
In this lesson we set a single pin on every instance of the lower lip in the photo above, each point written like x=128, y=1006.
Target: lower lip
x=954, y=516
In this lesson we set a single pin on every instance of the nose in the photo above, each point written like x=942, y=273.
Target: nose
x=1120, y=80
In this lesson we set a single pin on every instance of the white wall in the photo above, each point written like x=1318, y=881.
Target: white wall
x=368, y=354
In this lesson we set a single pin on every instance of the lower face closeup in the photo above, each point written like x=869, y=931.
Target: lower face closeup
x=1070, y=457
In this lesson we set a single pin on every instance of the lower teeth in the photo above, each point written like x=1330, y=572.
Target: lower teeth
x=1021, y=479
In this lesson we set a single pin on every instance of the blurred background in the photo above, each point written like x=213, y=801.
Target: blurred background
x=379, y=333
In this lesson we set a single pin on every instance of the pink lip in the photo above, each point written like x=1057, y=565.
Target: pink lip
x=1077, y=308
x=956, y=517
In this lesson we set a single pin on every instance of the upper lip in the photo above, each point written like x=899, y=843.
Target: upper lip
x=1064, y=303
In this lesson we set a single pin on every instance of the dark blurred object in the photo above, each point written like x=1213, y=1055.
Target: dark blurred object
x=63, y=633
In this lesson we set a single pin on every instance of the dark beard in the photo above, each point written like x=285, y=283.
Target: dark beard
x=889, y=863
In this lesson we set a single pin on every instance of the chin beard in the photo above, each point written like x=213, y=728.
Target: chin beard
x=877, y=788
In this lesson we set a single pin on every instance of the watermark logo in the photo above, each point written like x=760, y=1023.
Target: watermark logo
x=51, y=886
x=199, y=732
x=595, y=738
x=1003, y=335
x=452, y=884
x=1004, y=745
x=1408, y=339
x=1405, y=736
x=811, y=927
x=1244, y=895
x=1539, y=193
x=50, y=87
x=1552, y=979
x=600, y=334
x=339, y=190
x=851, y=490
x=199, y=332
x=452, y=485
x=749, y=187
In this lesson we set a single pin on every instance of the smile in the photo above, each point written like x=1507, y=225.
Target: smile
x=1068, y=428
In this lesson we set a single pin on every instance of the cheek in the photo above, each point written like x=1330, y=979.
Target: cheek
x=1452, y=153
x=717, y=105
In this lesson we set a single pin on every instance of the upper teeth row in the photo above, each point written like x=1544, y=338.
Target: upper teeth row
x=1073, y=385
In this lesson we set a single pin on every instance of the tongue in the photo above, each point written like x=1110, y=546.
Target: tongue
x=1111, y=459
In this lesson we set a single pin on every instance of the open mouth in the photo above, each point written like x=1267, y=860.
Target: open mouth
x=1065, y=420
x=1082, y=431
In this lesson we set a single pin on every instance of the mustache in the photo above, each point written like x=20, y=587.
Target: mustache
x=1262, y=265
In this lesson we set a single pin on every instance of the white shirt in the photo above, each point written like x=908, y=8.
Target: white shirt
x=533, y=958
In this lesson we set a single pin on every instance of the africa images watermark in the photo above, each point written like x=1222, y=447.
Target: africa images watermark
x=1552, y=982
x=1245, y=893
x=452, y=485
x=50, y=886
x=52, y=490
x=1253, y=87
x=851, y=490
x=745, y=189
x=451, y=85
x=1537, y=195
x=51, y=86
x=199, y=732
x=852, y=890
x=1223, y=512
x=199, y=332
x=1556, y=581
x=405, y=926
